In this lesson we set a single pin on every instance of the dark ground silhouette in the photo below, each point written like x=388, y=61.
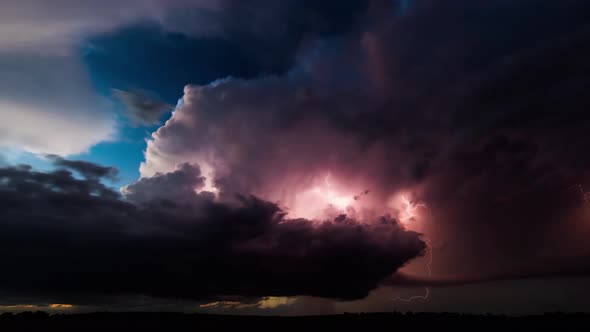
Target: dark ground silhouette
x=354, y=322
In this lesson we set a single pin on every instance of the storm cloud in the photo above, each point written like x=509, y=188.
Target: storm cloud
x=454, y=104
x=65, y=236
x=44, y=49
x=301, y=175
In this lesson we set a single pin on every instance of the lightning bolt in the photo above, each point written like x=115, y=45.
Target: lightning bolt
x=410, y=214
x=410, y=209
x=416, y=297
x=426, y=289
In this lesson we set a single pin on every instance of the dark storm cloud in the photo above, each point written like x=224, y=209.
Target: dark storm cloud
x=564, y=267
x=507, y=88
x=177, y=186
x=478, y=108
x=125, y=59
x=64, y=237
x=480, y=105
x=273, y=32
x=200, y=44
x=88, y=170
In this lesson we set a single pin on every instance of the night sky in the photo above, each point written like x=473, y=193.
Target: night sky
x=295, y=157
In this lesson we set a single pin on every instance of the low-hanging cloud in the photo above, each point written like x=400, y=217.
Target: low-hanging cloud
x=66, y=235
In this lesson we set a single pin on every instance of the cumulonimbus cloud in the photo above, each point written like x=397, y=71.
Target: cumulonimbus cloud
x=413, y=107
x=64, y=234
x=452, y=102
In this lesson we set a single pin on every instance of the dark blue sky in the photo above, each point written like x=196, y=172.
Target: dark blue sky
x=145, y=57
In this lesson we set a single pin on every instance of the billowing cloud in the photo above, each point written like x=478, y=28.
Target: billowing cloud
x=66, y=235
x=445, y=112
x=47, y=102
x=466, y=107
x=180, y=185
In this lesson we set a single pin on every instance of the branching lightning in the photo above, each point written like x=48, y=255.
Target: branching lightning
x=410, y=208
x=426, y=289
x=416, y=297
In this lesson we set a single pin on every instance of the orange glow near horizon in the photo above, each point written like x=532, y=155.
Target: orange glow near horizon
x=36, y=307
x=60, y=306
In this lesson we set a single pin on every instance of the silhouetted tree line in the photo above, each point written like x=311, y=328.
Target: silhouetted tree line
x=168, y=321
